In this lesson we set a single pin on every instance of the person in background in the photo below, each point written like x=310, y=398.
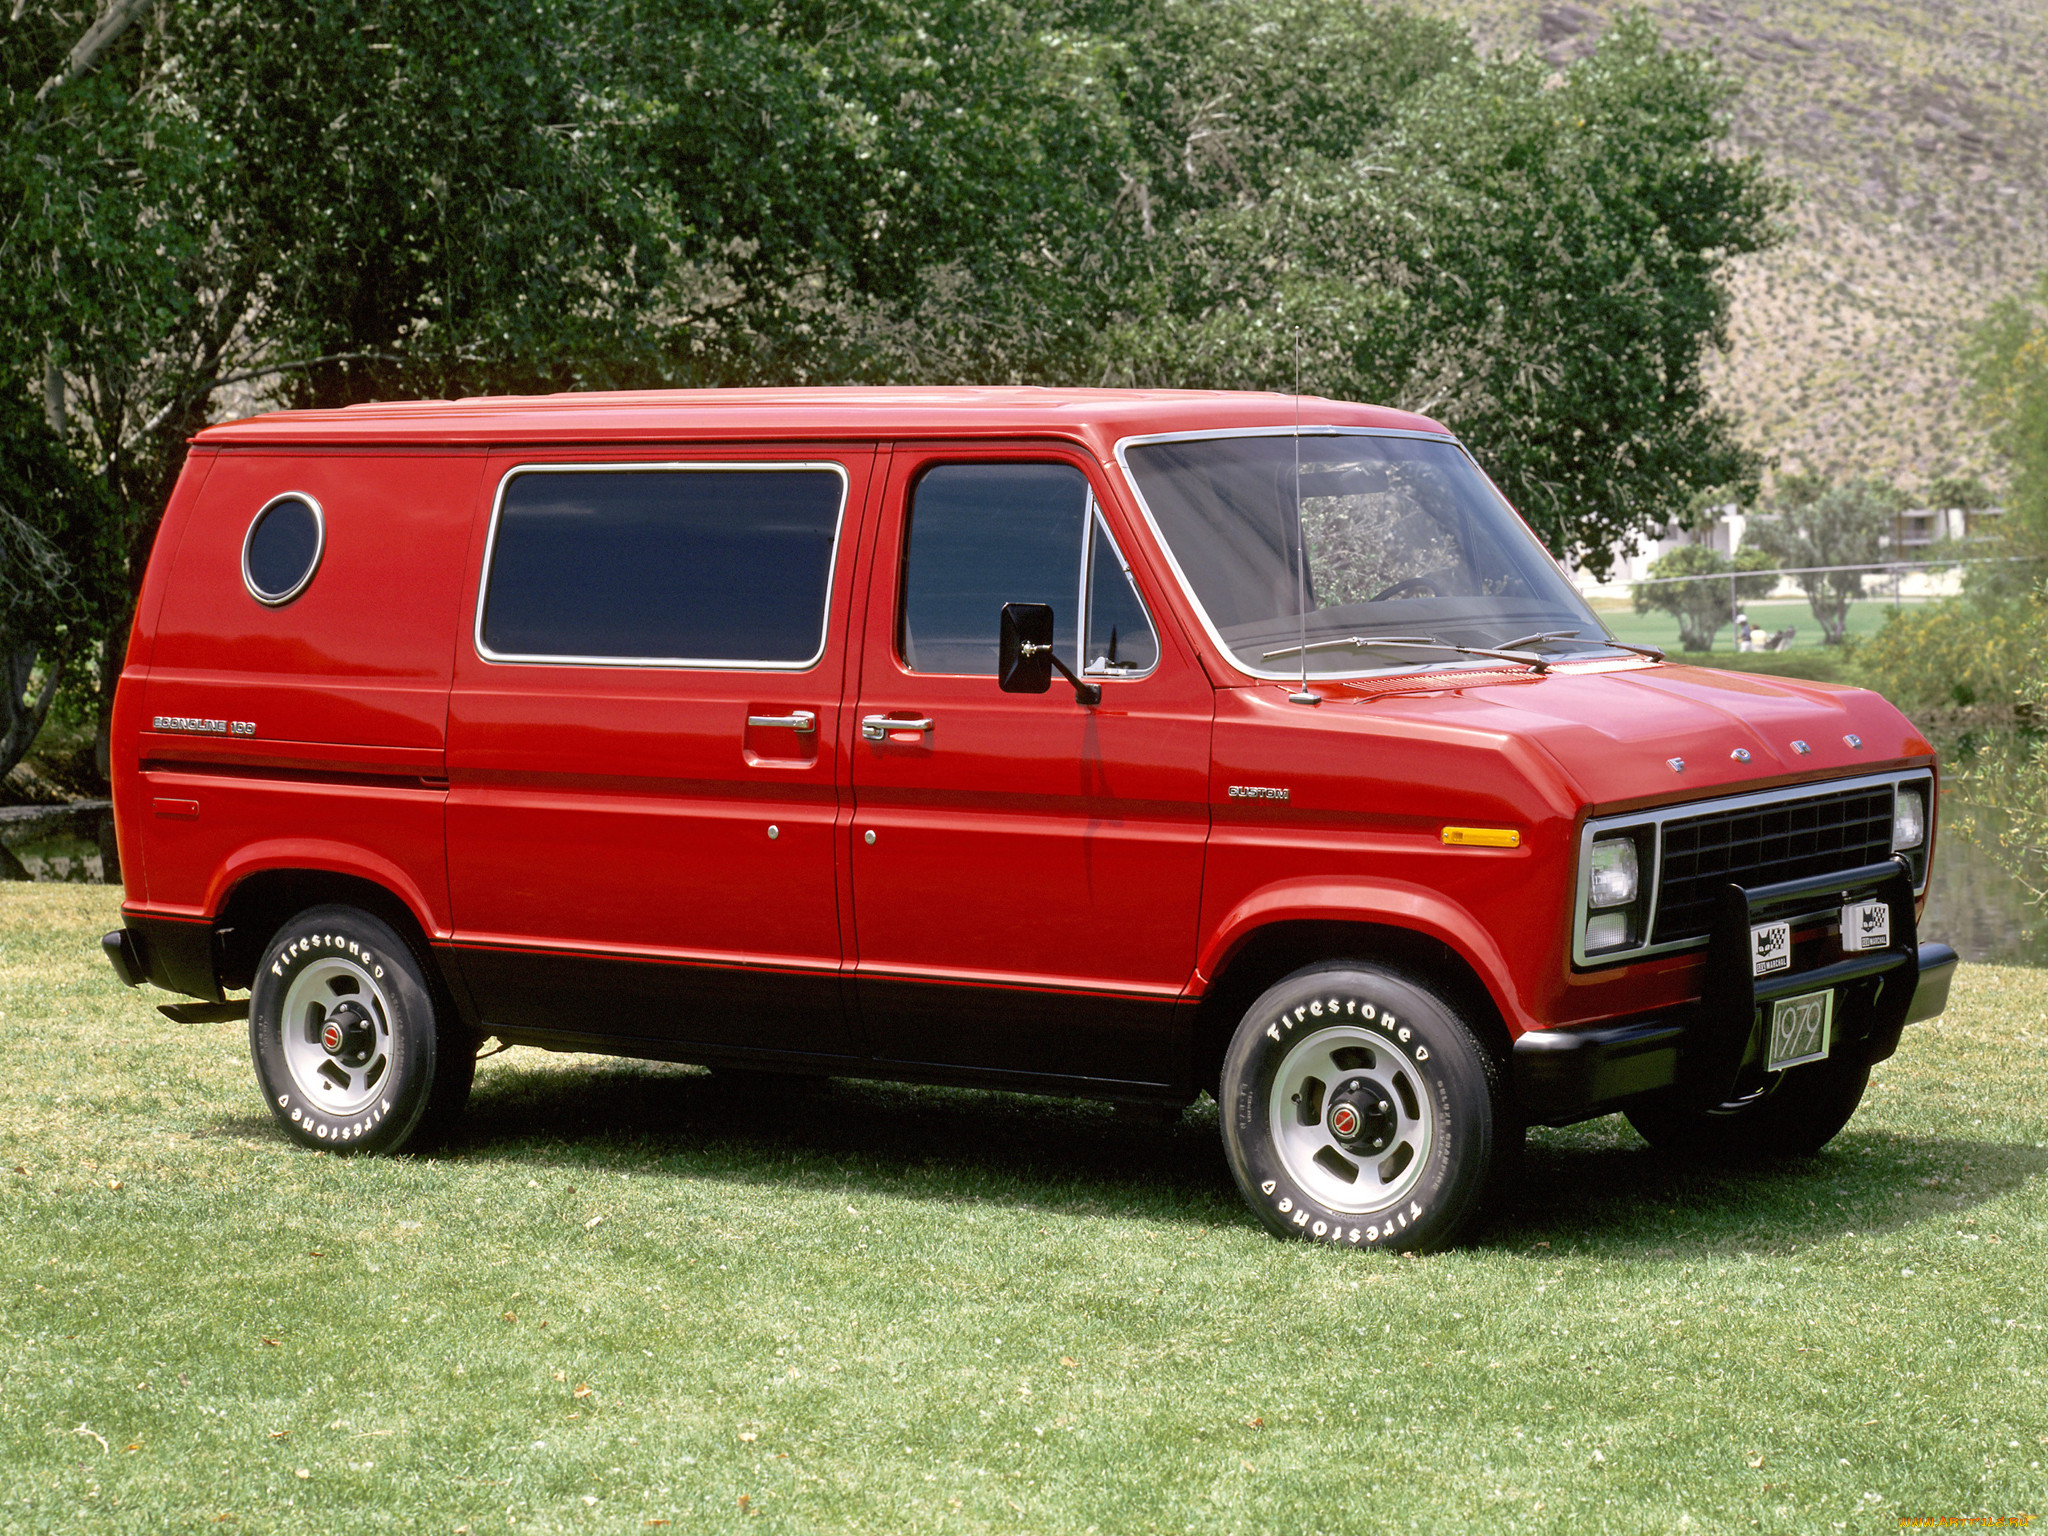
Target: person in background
x=1742, y=632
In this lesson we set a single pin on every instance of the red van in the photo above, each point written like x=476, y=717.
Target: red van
x=1122, y=744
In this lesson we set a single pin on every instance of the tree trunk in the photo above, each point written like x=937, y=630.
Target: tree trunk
x=113, y=652
x=21, y=718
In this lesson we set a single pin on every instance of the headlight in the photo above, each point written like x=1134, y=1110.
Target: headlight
x=1909, y=822
x=1614, y=871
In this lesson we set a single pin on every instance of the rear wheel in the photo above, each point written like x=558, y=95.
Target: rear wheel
x=1359, y=1108
x=350, y=1049
x=1794, y=1114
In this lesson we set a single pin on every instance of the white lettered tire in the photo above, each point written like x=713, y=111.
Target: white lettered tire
x=1359, y=1109
x=349, y=1048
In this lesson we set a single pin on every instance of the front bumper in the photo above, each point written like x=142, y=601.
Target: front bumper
x=1708, y=1051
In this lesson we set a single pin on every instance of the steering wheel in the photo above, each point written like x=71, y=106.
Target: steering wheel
x=1414, y=586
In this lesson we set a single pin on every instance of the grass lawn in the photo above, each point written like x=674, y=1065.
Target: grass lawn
x=629, y=1297
x=1866, y=617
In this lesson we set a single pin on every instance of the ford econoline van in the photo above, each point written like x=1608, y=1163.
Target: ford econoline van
x=1124, y=744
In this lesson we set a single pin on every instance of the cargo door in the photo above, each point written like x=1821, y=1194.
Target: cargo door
x=646, y=744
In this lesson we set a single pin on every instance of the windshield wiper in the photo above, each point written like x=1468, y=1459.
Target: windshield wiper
x=1409, y=642
x=1650, y=651
x=1548, y=634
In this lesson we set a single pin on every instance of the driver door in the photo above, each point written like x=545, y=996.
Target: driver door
x=1026, y=869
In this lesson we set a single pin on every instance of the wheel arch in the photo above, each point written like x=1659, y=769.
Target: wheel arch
x=262, y=901
x=1264, y=954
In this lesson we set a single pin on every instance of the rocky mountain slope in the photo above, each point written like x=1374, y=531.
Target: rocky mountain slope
x=1916, y=138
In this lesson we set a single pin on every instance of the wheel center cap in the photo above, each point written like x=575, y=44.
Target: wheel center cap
x=1361, y=1117
x=346, y=1035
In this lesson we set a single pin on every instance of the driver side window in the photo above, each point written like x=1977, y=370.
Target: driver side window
x=982, y=535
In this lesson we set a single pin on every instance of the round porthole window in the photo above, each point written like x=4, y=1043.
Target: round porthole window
x=282, y=549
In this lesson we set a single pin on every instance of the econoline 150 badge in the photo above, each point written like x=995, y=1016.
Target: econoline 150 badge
x=1770, y=948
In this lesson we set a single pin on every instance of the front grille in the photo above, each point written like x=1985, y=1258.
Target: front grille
x=1762, y=845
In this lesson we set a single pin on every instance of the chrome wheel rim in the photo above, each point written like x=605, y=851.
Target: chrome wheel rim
x=1345, y=1065
x=338, y=1042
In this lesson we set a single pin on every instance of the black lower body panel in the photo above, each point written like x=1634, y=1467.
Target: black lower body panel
x=535, y=992
x=1038, y=1031
x=1025, y=1039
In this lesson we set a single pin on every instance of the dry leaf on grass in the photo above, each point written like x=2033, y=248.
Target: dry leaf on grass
x=581, y=1391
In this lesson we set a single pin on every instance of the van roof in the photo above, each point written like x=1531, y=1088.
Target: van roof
x=1101, y=416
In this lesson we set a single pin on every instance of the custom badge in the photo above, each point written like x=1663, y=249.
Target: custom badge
x=1344, y=1121
x=1770, y=948
x=1866, y=925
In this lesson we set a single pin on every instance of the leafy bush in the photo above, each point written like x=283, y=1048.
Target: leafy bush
x=1956, y=652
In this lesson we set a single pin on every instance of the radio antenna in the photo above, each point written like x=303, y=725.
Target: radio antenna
x=1301, y=695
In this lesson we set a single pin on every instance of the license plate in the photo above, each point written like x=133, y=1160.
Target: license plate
x=1802, y=1028
x=1866, y=925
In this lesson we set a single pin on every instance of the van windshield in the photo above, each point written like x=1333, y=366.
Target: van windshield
x=1403, y=552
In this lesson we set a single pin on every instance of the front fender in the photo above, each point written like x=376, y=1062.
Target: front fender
x=1362, y=899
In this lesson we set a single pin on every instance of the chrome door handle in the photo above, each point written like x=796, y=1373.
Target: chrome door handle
x=796, y=720
x=878, y=727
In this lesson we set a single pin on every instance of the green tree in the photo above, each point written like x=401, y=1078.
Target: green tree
x=2007, y=357
x=1960, y=493
x=288, y=202
x=54, y=545
x=1702, y=607
x=1814, y=524
x=1535, y=258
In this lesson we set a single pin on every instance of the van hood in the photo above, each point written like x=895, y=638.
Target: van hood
x=1635, y=733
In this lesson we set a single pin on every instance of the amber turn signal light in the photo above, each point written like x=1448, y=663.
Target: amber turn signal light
x=1482, y=837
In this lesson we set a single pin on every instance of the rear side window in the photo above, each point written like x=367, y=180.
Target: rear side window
x=282, y=548
x=982, y=535
x=699, y=565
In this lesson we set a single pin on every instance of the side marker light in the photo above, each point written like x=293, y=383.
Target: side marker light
x=1482, y=837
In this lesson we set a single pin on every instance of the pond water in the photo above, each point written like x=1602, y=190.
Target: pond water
x=1973, y=903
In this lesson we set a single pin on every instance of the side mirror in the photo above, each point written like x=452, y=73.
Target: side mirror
x=1025, y=661
x=1024, y=656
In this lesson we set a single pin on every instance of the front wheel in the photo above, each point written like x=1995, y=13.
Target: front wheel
x=1360, y=1109
x=350, y=1050
x=1794, y=1114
